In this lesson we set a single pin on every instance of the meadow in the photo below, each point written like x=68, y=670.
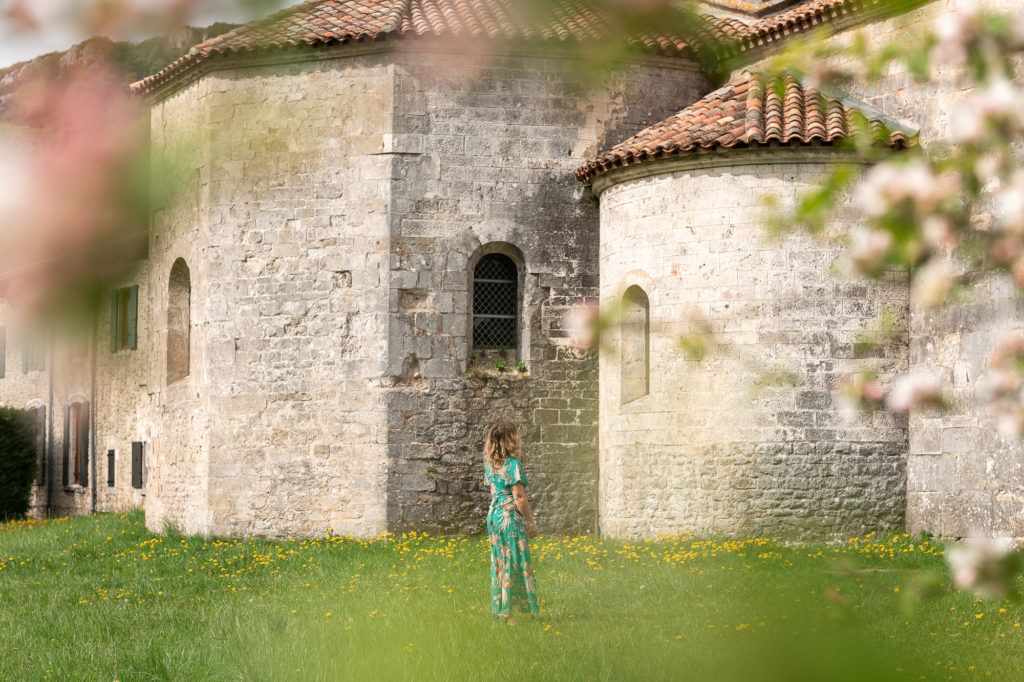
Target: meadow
x=101, y=598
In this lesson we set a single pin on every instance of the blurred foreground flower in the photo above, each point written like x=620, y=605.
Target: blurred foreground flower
x=581, y=323
x=73, y=211
x=989, y=568
x=864, y=392
x=1003, y=387
x=915, y=390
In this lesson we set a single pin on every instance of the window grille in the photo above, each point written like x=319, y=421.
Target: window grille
x=495, y=302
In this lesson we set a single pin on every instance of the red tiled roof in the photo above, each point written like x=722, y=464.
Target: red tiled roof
x=327, y=22
x=746, y=112
x=814, y=14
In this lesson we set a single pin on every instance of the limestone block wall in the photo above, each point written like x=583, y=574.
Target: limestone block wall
x=484, y=147
x=177, y=452
x=963, y=479
x=118, y=406
x=294, y=270
x=750, y=440
x=124, y=400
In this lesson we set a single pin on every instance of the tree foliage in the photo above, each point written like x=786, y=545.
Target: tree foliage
x=17, y=461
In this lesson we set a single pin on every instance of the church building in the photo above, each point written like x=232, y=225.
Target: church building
x=385, y=211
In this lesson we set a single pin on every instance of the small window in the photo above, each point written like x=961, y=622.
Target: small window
x=76, y=444
x=179, y=321
x=124, y=319
x=634, y=363
x=495, y=303
x=137, y=464
x=33, y=356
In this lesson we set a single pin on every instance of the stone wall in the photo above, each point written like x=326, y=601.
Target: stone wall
x=963, y=479
x=117, y=405
x=177, y=456
x=484, y=148
x=293, y=278
x=749, y=440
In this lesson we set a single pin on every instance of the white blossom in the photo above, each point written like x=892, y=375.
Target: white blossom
x=932, y=284
x=914, y=390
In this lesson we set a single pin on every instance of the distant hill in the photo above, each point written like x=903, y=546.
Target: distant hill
x=133, y=60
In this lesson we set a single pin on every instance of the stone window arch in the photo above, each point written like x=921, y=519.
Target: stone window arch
x=635, y=346
x=496, y=303
x=179, y=321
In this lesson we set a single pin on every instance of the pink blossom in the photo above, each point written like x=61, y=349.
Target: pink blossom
x=914, y=390
x=932, y=284
x=75, y=215
x=939, y=232
x=953, y=30
x=868, y=251
x=987, y=567
x=581, y=323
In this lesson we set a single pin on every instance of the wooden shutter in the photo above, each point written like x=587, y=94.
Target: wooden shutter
x=67, y=443
x=40, y=445
x=133, y=316
x=110, y=468
x=114, y=340
x=136, y=465
x=83, y=444
x=3, y=351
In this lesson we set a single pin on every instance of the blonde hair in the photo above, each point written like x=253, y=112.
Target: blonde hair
x=503, y=441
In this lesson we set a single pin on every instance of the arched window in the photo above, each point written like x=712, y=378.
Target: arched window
x=495, y=303
x=634, y=363
x=179, y=299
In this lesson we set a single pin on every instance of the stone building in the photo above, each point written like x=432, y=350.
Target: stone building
x=378, y=228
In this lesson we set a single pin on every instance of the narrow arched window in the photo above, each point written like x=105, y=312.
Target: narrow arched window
x=495, y=303
x=179, y=321
x=634, y=363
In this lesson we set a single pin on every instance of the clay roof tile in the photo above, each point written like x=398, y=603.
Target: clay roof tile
x=748, y=111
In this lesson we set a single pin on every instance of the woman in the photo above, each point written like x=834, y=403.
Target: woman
x=509, y=523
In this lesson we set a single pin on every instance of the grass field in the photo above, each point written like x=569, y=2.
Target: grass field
x=102, y=598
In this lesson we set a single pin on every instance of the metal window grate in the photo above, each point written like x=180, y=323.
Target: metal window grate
x=495, y=300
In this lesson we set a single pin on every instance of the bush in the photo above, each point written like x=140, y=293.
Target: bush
x=17, y=461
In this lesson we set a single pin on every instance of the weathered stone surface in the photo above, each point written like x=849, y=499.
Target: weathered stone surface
x=749, y=440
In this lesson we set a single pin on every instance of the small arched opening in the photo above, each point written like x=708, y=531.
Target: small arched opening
x=634, y=361
x=179, y=321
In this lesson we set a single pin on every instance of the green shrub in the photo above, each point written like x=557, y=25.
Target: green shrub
x=17, y=461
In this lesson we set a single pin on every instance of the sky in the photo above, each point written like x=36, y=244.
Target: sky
x=59, y=30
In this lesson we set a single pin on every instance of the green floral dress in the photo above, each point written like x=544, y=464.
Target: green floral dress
x=512, y=585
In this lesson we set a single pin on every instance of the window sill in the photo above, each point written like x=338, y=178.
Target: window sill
x=481, y=374
x=75, y=489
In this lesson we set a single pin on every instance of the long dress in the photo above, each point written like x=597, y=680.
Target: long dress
x=512, y=584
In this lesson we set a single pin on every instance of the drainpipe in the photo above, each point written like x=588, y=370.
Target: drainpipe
x=49, y=435
x=92, y=412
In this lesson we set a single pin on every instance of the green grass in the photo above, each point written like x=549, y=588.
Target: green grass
x=102, y=598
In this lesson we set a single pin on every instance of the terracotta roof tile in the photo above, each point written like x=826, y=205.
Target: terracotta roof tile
x=746, y=112
x=327, y=22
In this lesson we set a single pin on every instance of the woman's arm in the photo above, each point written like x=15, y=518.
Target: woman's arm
x=519, y=497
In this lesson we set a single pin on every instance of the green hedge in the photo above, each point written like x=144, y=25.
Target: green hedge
x=17, y=461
